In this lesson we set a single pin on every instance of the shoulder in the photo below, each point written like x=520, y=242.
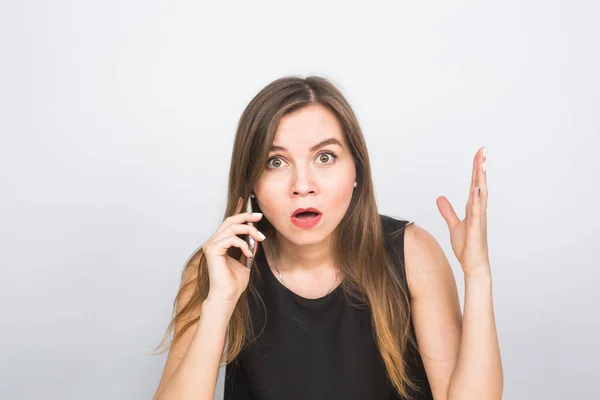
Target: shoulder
x=414, y=238
x=419, y=244
x=393, y=225
x=421, y=250
x=425, y=261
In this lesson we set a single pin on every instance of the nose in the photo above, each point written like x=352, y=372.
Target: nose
x=302, y=183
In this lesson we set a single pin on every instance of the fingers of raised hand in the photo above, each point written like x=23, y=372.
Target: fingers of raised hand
x=477, y=204
x=483, y=181
x=474, y=215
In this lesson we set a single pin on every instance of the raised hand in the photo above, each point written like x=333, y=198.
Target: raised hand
x=469, y=236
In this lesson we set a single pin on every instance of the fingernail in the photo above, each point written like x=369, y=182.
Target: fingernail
x=263, y=237
x=257, y=214
x=484, y=166
x=484, y=152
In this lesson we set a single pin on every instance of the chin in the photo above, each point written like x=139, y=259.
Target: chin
x=305, y=237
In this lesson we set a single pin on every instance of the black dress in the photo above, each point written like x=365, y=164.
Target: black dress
x=313, y=349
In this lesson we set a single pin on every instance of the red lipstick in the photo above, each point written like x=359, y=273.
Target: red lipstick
x=306, y=217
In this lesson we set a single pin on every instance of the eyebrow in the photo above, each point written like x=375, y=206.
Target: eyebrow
x=315, y=147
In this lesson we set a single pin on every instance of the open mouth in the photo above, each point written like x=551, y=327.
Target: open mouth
x=307, y=215
x=306, y=218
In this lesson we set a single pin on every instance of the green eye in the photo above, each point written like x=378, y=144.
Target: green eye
x=276, y=159
x=327, y=154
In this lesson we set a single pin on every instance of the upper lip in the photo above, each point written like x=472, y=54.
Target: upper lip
x=311, y=209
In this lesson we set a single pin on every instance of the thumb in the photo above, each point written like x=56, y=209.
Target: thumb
x=447, y=212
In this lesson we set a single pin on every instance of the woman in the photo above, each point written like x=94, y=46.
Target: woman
x=340, y=302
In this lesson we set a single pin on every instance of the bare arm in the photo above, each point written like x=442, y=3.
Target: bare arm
x=461, y=355
x=193, y=363
x=195, y=375
x=436, y=307
x=478, y=372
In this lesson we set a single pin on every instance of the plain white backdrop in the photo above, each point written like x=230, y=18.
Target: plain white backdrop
x=117, y=120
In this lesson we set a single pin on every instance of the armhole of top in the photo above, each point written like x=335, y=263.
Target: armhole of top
x=394, y=230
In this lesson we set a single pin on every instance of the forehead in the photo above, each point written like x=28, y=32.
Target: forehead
x=308, y=126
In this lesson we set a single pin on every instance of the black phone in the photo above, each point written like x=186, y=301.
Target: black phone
x=249, y=239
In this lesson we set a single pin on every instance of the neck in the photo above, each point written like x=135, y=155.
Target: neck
x=290, y=256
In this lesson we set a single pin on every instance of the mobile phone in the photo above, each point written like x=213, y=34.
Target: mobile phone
x=249, y=239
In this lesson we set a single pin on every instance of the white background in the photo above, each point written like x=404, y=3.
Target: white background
x=117, y=120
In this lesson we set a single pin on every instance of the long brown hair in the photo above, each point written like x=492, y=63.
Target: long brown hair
x=370, y=275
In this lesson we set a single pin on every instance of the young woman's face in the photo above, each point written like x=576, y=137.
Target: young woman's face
x=310, y=165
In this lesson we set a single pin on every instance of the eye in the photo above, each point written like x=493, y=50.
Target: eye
x=276, y=162
x=275, y=159
x=325, y=155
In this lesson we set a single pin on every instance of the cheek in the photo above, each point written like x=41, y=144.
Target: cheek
x=268, y=194
x=341, y=184
x=339, y=193
x=342, y=192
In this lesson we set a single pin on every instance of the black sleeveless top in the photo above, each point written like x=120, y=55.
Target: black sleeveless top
x=313, y=349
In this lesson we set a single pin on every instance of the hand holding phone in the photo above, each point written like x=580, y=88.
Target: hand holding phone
x=228, y=276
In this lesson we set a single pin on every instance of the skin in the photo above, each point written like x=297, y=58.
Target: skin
x=463, y=363
x=304, y=178
x=299, y=177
